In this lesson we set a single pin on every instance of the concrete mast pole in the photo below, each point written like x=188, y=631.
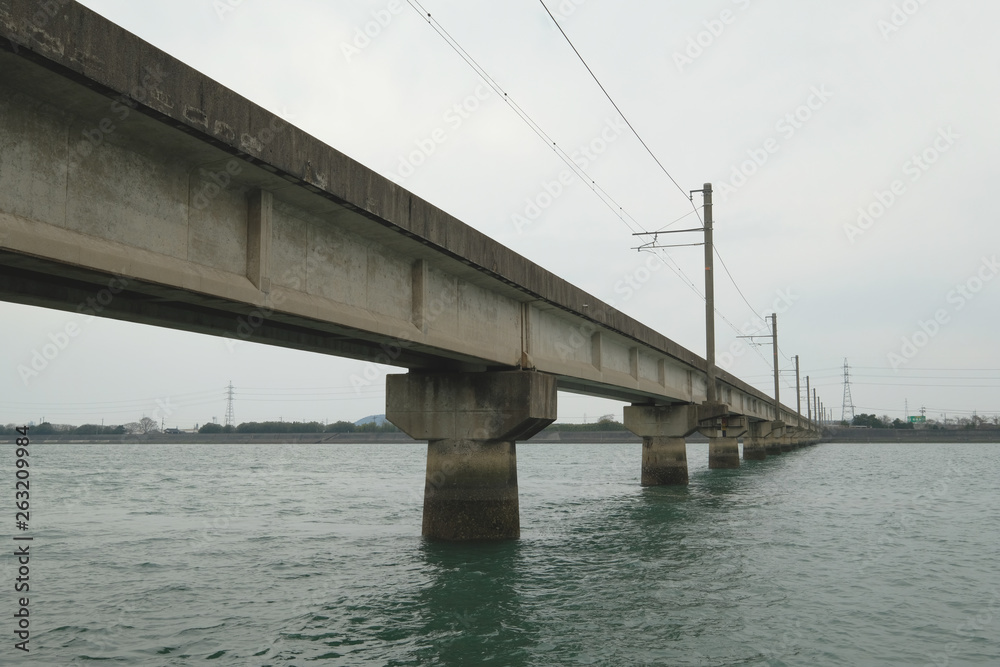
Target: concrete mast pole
x=798, y=388
x=711, y=396
x=774, y=345
x=809, y=415
x=816, y=405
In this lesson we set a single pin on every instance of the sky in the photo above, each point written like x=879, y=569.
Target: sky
x=851, y=146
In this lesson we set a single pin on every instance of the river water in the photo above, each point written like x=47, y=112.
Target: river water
x=839, y=554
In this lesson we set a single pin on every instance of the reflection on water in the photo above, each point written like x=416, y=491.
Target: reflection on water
x=472, y=605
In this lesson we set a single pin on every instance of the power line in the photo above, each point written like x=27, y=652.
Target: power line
x=615, y=105
x=135, y=402
x=648, y=150
x=602, y=194
x=752, y=309
x=609, y=201
x=953, y=370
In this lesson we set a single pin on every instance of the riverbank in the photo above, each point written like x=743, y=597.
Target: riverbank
x=862, y=435
x=880, y=435
x=579, y=437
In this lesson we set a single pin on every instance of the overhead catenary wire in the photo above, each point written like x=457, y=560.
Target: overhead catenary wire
x=613, y=103
x=621, y=113
x=696, y=208
x=605, y=197
x=602, y=194
x=193, y=399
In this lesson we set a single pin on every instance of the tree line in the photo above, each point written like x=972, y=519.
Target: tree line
x=871, y=421
x=300, y=427
x=146, y=426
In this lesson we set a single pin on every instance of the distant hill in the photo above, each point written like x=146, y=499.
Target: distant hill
x=378, y=420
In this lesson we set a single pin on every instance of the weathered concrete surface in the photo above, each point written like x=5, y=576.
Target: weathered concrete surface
x=471, y=491
x=471, y=422
x=664, y=451
x=755, y=442
x=674, y=421
x=664, y=461
x=771, y=435
x=121, y=165
x=723, y=453
x=505, y=405
x=754, y=449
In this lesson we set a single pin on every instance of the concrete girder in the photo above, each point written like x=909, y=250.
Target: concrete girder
x=224, y=218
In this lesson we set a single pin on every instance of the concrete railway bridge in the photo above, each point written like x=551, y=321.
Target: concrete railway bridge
x=134, y=187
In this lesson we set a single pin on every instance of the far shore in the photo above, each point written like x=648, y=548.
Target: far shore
x=837, y=435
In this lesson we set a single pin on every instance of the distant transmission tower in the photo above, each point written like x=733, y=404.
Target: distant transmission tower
x=848, y=401
x=229, y=406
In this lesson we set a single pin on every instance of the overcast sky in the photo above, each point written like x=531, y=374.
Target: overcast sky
x=852, y=147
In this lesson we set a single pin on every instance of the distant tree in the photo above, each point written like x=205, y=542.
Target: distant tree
x=118, y=430
x=899, y=423
x=373, y=427
x=148, y=425
x=606, y=425
x=211, y=428
x=88, y=429
x=340, y=427
x=45, y=428
x=871, y=421
x=610, y=425
x=280, y=427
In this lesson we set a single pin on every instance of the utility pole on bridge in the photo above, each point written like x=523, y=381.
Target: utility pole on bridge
x=809, y=410
x=774, y=345
x=798, y=389
x=711, y=394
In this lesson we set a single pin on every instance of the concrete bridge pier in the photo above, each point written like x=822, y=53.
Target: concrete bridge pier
x=723, y=432
x=471, y=422
x=755, y=441
x=664, y=450
x=723, y=453
x=774, y=440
